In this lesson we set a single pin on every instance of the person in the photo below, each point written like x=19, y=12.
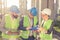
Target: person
x=11, y=24
x=27, y=21
x=45, y=26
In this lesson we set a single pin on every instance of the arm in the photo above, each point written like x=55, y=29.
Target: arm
x=32, y=28
x=41, y=29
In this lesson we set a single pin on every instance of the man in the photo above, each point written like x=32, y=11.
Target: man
x=27, y=21
x=11, y=24
x=45, y=25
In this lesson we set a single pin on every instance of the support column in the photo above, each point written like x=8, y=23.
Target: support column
x=0, y=10
x=23, y=6
x=0, y=6
x=58, y=6
x=55, y=9
x=34, y=3
x=4, y=6
x=51, y=6
x=40, y=1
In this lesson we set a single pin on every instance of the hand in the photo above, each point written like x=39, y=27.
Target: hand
x=36, y=31
x=8, y=32
x=41, y=29
x=28, y=28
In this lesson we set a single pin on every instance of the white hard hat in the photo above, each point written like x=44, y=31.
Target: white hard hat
x=46, y=11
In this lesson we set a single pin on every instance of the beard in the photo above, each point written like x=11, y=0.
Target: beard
x=15, y=16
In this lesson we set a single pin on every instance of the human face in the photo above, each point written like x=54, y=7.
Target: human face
x=30, y=15
x=14, y=14
x=45, y=16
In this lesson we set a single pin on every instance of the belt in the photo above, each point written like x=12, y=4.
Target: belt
x=13, y=33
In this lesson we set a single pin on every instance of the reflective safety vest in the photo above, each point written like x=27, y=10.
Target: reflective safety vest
x=11, y=25
x=46, y=25
x=26, y=23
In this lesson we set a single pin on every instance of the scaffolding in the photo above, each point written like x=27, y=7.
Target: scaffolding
x=0, y=7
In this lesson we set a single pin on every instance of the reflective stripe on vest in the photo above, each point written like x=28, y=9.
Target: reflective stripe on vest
x=35, y=20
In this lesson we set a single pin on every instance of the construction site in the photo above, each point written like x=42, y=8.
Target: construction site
x=24, y=7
